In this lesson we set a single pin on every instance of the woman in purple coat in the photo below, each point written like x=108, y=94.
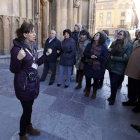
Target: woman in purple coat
x=24, y=64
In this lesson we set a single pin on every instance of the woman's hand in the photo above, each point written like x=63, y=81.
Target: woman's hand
x=93, y=56
x=111, y=57
x=110, y=49
x=125, y=55
x=58, y=51
x=21, y=54
x=49, y=52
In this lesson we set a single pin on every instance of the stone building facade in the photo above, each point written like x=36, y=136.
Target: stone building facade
x=114, y=15
x=45, y=15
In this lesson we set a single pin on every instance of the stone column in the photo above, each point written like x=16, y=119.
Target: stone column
x=6, y=31
x=20, y=8
x=45, y=20
x=27, y=10
x=12, y=29
x=75, y=16
x=36, y=8
x=20, y=12
x=58, y=18
x=76, y=5
x=63, y=24
x=91, y=16
x=80, y=13
x=33, y=10
x=70, y=15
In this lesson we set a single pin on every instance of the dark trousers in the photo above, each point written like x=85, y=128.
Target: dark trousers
x=88, y=82
x=114, y=80
x=101, y=80
x=133, y=89
x=120, y=81
x=26, y=116
x=47, y=66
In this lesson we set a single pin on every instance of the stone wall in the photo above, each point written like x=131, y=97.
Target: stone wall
x=45, y=15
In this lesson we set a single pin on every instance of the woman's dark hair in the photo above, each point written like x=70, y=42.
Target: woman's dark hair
x=85, y=32
x=25, y=28
x=67, y=31
x=101, y=39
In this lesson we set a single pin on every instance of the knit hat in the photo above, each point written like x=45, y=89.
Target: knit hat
x=107, y=32
x=79, y=26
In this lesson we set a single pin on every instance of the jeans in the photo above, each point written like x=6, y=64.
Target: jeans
x=61, y=71
x=26, y=116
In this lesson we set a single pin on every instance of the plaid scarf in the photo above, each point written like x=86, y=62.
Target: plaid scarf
x=95, y=50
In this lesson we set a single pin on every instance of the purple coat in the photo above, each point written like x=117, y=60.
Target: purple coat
x=25, y=91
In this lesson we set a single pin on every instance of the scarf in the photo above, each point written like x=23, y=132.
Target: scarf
x=30, y=45
x=118, y=47
x=95, y=50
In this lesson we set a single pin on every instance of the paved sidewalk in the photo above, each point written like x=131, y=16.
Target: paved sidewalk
x=66, y=114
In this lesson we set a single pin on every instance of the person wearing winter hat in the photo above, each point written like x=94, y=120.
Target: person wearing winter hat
x=76, y=35
x=108, y=38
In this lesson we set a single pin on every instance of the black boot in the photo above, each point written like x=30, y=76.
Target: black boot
x=128, y=103
x=137, y=127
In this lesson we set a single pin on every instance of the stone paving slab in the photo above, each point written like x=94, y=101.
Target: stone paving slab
x=59, y=93
x=99, y=102
x=71, y=128
x=8, y=126
x=43, y=136
x=109, y=134
x=66, y=114
x=68, y=108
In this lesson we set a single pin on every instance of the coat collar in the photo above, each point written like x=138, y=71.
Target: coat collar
x=136, y=44
x=52, y=40
x=21, y=44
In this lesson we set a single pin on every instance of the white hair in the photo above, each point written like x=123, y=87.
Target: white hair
x=53, y=31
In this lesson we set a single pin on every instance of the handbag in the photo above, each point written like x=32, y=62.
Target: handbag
x=83, y=59
x=31, y=76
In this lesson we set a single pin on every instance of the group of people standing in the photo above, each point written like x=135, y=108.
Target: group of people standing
x=91, y=57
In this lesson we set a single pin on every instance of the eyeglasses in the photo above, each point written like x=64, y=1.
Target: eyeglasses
x=120, y=34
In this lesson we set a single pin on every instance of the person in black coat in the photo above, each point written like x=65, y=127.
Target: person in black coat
x=50, y=63
x=96, y=54
x=67, y=58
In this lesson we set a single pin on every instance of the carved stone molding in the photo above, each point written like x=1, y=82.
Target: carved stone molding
x=76, y=3
x=44, y=1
